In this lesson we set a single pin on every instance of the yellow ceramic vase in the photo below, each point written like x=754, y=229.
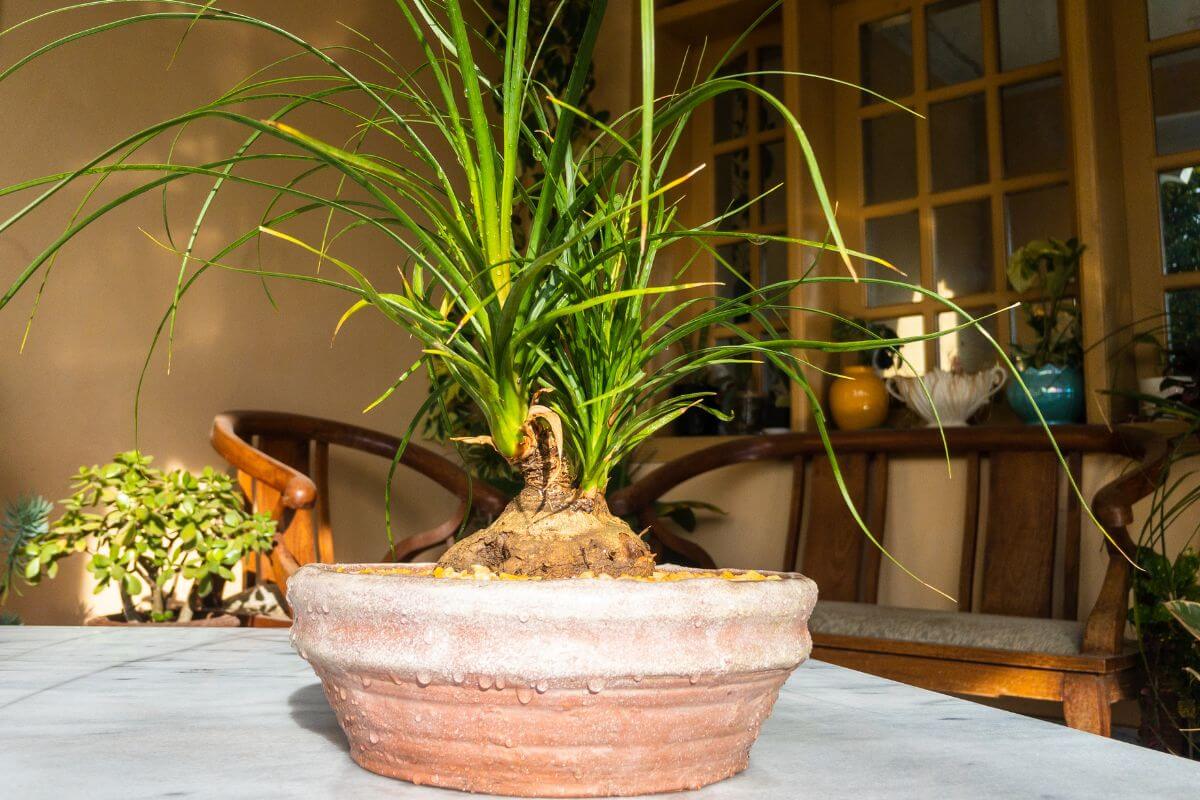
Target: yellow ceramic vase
x=859, y=400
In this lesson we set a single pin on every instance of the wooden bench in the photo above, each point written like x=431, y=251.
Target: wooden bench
x=1006, y=643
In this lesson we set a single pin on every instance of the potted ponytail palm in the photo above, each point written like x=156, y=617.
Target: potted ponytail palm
x=546, y=654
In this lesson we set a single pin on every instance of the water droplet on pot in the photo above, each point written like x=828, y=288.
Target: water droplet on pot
x=396, y=679
x=428, y=636
x=459, y=677
x=508, y=742
x=500, y=684
x=416, y=717
x=693, y=679
x=541, y=687
x=595, y=685
x=374, y=737
x=366, y=681
x=523, y=616
x=699, y=623
x=424, y=678
x=524, y=695
x=304, y=654
x=341, y=692
x=324, y=608
x=637, y=678
x=311, y=608
x=577, y=773
x=404, y=619
x=485, y=682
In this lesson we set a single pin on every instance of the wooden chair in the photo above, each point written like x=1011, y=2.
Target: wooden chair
x=1006, y=644
x=283, y=467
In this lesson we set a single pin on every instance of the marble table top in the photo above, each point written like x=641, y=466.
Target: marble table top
x=118, y=713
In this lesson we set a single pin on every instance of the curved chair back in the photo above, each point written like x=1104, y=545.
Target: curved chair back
x=282, y=461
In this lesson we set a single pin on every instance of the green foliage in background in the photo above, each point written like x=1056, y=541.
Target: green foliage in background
x=1166, y=597
x=25, y=520
x=146, y=530
x=1049, y=267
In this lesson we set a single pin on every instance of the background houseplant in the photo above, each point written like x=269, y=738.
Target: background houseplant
x=1050, y=364
x=1166, y=592
x=149, y=533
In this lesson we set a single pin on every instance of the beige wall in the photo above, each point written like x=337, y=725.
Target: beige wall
x=67, y=400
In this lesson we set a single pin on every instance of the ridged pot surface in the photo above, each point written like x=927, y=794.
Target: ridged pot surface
x=550, y=688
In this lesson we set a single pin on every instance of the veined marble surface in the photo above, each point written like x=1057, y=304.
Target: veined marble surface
x=102, y=713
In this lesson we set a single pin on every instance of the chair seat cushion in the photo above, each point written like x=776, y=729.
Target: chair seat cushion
x=987, y=631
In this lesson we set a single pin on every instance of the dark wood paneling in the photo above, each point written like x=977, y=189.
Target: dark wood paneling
x=795, y=514
x=970, y=536
x=833, y=542
x=1018, y=556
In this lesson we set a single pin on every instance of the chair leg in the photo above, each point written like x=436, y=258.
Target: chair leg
x=1086, y=703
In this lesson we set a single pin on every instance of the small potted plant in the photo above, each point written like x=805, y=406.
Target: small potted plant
x=149, y=533
x=1050, y=365
x=1165, y=611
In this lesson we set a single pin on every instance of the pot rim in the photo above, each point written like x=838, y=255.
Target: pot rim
x=358, y=569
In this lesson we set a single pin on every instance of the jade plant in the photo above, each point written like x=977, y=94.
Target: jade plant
x=565, y=329
x=148, y=533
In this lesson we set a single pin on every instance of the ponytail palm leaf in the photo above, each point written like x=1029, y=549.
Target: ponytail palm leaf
x=569, y=337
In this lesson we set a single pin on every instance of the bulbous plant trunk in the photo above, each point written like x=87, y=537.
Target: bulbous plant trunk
x=551, y=529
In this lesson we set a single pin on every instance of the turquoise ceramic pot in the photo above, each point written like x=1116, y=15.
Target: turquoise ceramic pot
x=1058, y=392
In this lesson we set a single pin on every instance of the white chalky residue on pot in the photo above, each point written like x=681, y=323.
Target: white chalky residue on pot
x=663, y=648
x=485, y=631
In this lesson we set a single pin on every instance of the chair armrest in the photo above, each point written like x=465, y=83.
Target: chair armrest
x=296, y=490
x=1104, y=630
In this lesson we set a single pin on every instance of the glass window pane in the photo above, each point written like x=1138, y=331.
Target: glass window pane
x=962, y=248
x=889, y=158
x=1034, y=136
x=1028, y=32
x=1168, y=17
x=897, y=240
x=1039, y=214
x=954, y=42
x=731, y=110
x=1176, y=80
x=1179, y=193
x=770, y=59
x=967, y=349
x=886, y=51
x=913, y=352
x=772, y=209
x=733, y=186
x=772, y=264
x=734, y=273
x=1183, y=320
x=958, y=142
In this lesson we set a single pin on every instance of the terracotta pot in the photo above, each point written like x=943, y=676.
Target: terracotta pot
x=562, y=688
x=859, y=399
x=215, y=621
